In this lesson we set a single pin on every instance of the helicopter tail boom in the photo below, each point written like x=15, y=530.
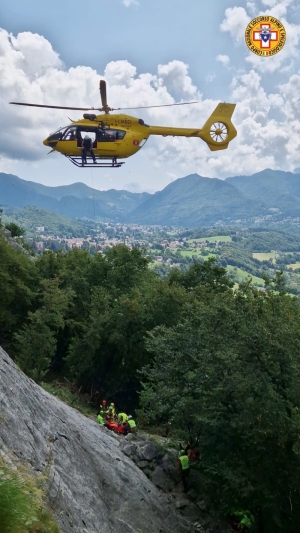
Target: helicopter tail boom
x=217, y=131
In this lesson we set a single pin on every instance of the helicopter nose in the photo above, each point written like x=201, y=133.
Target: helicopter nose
x=45, y=142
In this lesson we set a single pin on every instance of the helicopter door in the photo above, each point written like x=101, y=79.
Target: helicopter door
x=81, y=133
x=109, y=139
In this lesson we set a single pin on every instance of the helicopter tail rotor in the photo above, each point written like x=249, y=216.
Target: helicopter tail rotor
x=218, y=130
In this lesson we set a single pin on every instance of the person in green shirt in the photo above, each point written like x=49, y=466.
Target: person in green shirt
x=132, y=424
x=100, y=418
x=184, y=464
x=122, y=417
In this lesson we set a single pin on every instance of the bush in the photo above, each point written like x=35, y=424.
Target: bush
x=21, y=505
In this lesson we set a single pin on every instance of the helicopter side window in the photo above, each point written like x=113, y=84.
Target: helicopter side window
x=108, y=134
x=71, y=134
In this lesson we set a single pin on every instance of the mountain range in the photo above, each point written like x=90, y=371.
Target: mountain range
x=190, y=201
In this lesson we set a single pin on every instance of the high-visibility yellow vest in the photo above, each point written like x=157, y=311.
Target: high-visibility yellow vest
x=100, y=420
x=122, y=417
x=185, y=463
x=132, y=423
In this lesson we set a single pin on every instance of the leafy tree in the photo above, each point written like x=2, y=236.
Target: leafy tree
x=18, y=283
x=208, y=274
x=229, y=373
x=36, y=341
x=15, y=230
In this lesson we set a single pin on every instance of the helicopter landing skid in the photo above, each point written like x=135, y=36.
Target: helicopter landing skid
x=77, y=160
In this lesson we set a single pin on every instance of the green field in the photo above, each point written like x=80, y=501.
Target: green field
x=196, y=252
x=222, y=238
x=155, y=251
x=242, y=275
x=189, y=253
x=264, y=256
x=294, y=265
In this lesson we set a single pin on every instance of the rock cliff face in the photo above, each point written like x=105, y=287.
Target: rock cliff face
x=92, y=486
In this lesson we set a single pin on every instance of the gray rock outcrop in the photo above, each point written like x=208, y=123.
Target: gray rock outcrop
x=92, y=486
x=161, y=467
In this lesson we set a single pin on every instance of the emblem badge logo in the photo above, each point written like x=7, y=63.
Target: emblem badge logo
x=265, y=36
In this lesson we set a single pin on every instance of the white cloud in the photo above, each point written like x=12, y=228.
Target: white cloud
x=174, y=76
x=251, y=7
x=133, y=186
x=235, y=22
x=128, y=3
x=172, y=176
x=263, y=141
x=223, y=59
x=210, y=77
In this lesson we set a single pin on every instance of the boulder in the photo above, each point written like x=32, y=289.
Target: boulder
x=149, y=451
x=143, y=464
x=162, y=480
x=182, y=503
x=92, y=486
x=191, y=511
x=170, y=466
x=128, y=449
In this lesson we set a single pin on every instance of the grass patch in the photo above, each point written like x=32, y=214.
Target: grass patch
x=221, y=238
x=73, y=399
x=189, y=253
x=294, y=265
x=242, y=275
x=22, y=505
x=264, y=256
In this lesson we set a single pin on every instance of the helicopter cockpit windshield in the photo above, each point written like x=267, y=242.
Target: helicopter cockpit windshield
x=57, y=135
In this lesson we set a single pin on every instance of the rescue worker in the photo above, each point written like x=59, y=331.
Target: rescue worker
x=87, y=145
x=126, y=427
x=100, y=418
x=113, y=411
x=132, y=424
x=122, y=417
x=184, y=464
x=109, y=413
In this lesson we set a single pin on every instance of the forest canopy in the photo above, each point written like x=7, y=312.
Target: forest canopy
x=220, y=363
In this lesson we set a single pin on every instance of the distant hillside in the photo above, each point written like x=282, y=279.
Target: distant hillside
x=75, y=201
x=265, y=241
x=276, y=189
x=30, y=217
x=196, y=201
x=192, y=201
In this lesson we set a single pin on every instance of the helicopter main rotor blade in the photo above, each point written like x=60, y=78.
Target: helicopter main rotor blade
x=149, y=106
x=104, y=108
x=58, y=107
x=102, y=87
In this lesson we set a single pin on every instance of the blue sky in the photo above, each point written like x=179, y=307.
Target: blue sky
x=198, y=44
x=153, y=32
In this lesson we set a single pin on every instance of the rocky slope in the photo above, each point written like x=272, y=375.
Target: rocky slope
x=92, y=486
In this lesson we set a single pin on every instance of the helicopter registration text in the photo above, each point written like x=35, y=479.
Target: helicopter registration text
x=122, y=121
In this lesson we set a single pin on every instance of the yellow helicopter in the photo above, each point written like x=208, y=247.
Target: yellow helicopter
x=114, y=137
